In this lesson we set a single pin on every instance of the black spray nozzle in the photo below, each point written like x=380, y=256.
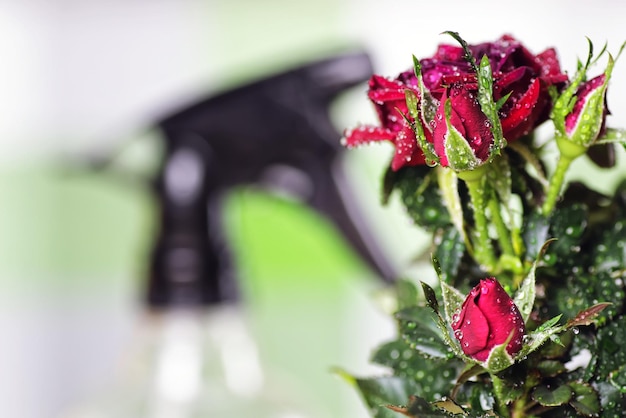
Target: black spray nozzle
x=276, y=131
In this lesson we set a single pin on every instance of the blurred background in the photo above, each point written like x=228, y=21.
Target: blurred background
x=85, y=80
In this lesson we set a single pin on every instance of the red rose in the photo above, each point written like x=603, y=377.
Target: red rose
x=523, y=76
x=488, y=318
x=388, y=98
x=517, y=72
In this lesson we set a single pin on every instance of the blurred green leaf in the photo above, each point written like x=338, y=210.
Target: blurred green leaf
x=407, y=294
x=379, y=392
x=434, y=379
x=420, y=195
x=585, y=400
x=418, y=327
x=549, y=396
x=610, y=349
x=449, y=251
x=551, y=368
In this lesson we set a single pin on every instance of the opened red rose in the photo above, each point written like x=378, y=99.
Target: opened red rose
x=388, y=98
x=517, y=72
x=488, y=318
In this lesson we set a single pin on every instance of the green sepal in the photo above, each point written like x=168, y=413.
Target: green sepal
x=499, y=359
x=564, y=103
x=428, y=103
x=427, y=148
x=502, y=100
x=525, y=296
x=613, y=136
x=592, y=114
x=467, y=54
x=460, y=154
x=443, y=326
x=452, y=301
x=485, y=94
x=489, y=107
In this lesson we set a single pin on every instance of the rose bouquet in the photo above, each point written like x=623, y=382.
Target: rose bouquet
x=528, y=318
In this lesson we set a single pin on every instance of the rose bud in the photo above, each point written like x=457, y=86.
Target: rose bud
x=488, y=318
x=388, y=97
x=585, y=123
x=462, y=136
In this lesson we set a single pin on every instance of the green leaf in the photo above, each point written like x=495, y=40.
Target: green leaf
x=419, y=408
x=535, y=339
x=548, y=396
x=535, y=234
x=585, y=289
x=406, y=292
x=553, y=350
x=587, y=316
x=420, y=329
x=421, y=197
x=452, y=302
x=613, y=401
x=550, y=323
x=431, y=297
x=568, y=225
x=618, y=378
x=449, y=251
x=551, y=368
x=432, y=377
x=585, y=400
x=381, y=391
x=450, y=407
x=610, y=348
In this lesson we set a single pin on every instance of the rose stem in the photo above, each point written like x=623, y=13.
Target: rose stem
x=556, y=183
x=568, y=152
x=504, y=235
x=483, y=247
x=498, y=388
